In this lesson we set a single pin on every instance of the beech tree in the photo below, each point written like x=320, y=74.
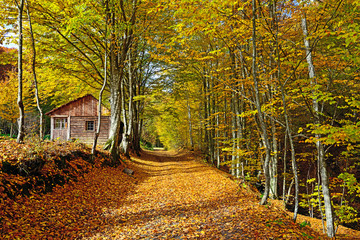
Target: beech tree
x=21, y=120
x=33, y=65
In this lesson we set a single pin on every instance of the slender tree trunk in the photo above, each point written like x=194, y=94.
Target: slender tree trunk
x=190, y=123
x=136, y=124
x=201, y=139
x=212, y=120
x=289, y=192
x=262, y=122
x=11, y=129
x=284, y=170
x=226, y=127
x=217, y=135
x=319, y=197
x=274, y=163
x=319, y=145
x=239, y=135
x=97, y=133
x=272, y=92
x=21, y=121
x=205, y=119
x=137, y=121
x=190, y=127
x=233, y=114
x=293, y=156
x=33, y=65
x=233, y=133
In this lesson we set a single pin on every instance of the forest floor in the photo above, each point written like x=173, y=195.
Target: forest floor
x=172, y=195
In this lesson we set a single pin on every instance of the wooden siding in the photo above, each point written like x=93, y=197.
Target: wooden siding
x=78, y=129
x=86, y=106
x=77, y=112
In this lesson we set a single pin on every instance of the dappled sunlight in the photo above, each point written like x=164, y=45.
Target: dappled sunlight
x=182, y=198
x=170, y=195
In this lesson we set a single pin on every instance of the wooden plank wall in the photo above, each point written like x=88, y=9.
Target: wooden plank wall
x=86, y=106
x=78, y=130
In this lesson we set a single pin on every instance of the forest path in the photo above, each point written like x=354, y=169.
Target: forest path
x=172, y=195
x=178, y=197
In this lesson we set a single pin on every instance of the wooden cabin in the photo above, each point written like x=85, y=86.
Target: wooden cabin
x=78, y=120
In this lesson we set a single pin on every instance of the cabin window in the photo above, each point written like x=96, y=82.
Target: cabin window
x=60, y=123
x=90, y=125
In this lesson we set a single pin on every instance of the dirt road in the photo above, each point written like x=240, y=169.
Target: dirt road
x=178, y=197
x=171, y=196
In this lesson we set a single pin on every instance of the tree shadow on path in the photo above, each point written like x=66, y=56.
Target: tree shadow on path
x=181, y=198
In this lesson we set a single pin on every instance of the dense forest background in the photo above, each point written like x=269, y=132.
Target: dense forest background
x=268, y=90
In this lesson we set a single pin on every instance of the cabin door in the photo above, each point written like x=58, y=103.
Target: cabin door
x=60, y=128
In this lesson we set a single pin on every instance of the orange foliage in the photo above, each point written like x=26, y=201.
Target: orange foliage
x=170, y=195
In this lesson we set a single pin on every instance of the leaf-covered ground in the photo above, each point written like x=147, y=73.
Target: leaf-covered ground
x=170, y=196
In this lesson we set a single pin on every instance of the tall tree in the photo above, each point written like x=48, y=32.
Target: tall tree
x=319, y=144
x=97, y=133
x=33, y=66
x=21, y=121
x=260, y=114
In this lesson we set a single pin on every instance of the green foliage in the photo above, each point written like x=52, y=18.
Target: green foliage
x=7, y=136
x=308, y=236
x=146, y=145
x=346, y=214
x=304, y=224
x=351, y=183
x=276, y=222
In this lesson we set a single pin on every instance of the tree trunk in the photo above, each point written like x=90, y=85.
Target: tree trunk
x=11, y=129
x=128, y=121
x=284, y=170
x=262, y=122
x=97, y=133
x=239, y=135
x=233, y=134
x=33, y=65
x=189, y=121
x=115, y=132
x=319, y=197
x=274, y=163
x=293, y=156
x=205, y=119
x=190, y=124
x=21, y=121
x=212, y=120
x=319, y=145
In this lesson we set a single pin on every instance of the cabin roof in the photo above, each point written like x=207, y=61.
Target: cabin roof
x=69, y=103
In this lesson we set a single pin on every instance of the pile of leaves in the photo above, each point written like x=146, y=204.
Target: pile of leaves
x=37, y=167
x=71, y=211
x=168, y=197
